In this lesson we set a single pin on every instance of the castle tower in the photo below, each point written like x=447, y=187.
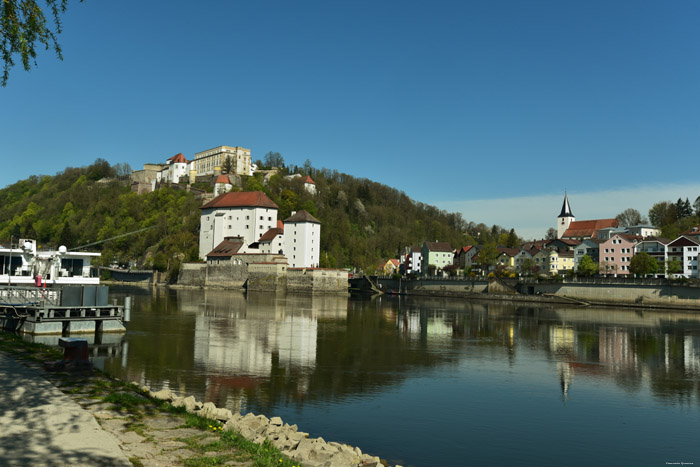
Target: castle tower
x=565, y=218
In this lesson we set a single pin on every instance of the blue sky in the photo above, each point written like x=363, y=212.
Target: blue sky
x=470, y=106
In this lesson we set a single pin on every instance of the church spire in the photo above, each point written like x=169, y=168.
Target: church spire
x=565, y=208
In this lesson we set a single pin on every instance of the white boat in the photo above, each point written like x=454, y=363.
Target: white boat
x=24, y=265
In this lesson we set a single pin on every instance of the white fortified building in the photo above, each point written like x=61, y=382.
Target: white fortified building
x=252, y=216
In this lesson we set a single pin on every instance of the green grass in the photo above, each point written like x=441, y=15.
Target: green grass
x=206, y=461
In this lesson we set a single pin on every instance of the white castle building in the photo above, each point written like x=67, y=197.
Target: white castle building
x=253, y=217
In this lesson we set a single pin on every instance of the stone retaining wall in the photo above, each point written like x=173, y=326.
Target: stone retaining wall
x=192, y=274
x=317, y=280
x=295, y=444
x=667, y=295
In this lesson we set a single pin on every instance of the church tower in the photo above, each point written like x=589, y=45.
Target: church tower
x=565, y=218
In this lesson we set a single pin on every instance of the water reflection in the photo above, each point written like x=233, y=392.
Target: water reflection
x=332, y=363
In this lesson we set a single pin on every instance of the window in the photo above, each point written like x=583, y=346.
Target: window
x=612, y=250
x=246, y=226
x=247, y=217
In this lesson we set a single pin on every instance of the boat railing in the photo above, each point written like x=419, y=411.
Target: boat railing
x=29, y=296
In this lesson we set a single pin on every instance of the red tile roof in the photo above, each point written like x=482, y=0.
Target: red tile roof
x=302, y=216
x=588, y=229
x=241, y=199
x=222, y=179
x=307, y=179
x=270, y=235
x=178, y=158
x=226, y=249
x=693, y=231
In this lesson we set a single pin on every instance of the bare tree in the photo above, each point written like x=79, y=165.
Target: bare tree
x=630, y=217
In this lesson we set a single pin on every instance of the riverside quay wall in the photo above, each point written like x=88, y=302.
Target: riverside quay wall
x=643, y=292
x=640, y=292
x=262, y=273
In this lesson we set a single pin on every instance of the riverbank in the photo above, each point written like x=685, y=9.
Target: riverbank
x=634, y=293
x=147, y=427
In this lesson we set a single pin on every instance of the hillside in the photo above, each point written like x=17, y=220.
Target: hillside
x=363, y=222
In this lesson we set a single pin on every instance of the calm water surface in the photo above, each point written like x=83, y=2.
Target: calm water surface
x=427, y=382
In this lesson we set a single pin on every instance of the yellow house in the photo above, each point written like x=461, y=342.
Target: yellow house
x=553, y=262
x=390, y=267
x=506, y=258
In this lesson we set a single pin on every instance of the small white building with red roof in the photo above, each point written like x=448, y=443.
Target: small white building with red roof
x=309, y=185
x=222, y=185
x=176, y=167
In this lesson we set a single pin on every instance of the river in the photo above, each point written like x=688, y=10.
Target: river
x=430, y=381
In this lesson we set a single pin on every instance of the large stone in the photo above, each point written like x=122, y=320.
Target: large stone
x=191, y=404
x=208, y=410
x=164, y=395
x=277, y=421
x=256, y=424
x=233, y=423
x=303, y=449
x=223, y=415
x=343, y=458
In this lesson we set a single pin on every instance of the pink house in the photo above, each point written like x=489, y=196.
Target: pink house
x=616, y=253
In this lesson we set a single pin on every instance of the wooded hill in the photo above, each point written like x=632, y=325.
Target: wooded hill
x=363, y=222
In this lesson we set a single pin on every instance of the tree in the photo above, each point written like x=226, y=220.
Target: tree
x=551, y=234
x=122, y=169
x=24, y=27
x=487, y=256
x=273, y=159
x=696, y=206
x=673, y=266
x=586, y=266
x=683, y=208
x=227, y=165
x=630, y=217
x=513, y=239
x=643, y=263
x=663, y=213
x=527, y=266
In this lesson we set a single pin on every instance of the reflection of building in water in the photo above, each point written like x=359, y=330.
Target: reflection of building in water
x=615, y=349
x=691, y=354
x=436, y=326
x=409, y=324
x=561, y=338
x=566, y=377
x=246, y=346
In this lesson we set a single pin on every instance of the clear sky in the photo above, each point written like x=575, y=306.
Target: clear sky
x=492, y=108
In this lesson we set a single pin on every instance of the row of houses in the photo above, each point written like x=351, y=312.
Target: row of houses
x=613, y=256
x=608, y=245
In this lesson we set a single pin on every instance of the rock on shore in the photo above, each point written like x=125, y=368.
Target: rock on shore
x=295, y=444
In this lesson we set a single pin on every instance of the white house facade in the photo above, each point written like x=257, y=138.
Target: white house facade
x=245, y=214
x=302, y=240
